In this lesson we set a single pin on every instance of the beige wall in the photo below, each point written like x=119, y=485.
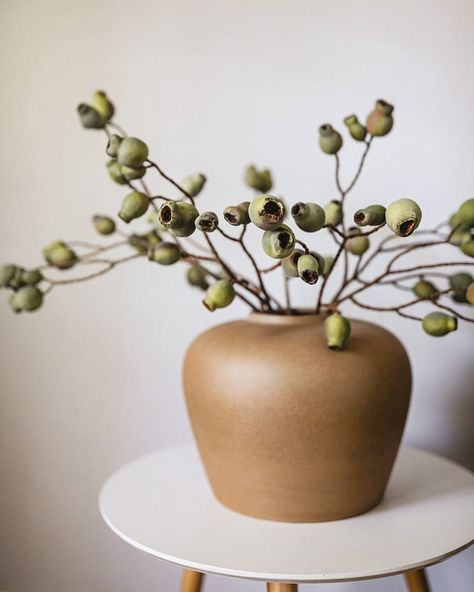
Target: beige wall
x=94, y=379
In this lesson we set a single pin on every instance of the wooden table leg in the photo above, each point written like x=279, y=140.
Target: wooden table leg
x=279, y=587
x=417, y=581
x=191, y=581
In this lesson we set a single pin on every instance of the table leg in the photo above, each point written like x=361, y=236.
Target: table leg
x=191, y=581
x=417, y=581
x=279, y=587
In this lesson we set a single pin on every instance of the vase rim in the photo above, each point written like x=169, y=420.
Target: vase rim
x=302, y=317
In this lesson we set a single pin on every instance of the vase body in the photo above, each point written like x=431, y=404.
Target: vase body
x=290, y=430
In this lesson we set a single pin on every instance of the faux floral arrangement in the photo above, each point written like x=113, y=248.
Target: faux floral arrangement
x=173, y=220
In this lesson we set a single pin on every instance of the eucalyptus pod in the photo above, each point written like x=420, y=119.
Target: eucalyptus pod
x=219, y=295
x=337, y=330
x=438, y=324
x=193, y=184
x=207, y=222
x=470, y=293
x=134, y=205
x=27, y=298
x=308, y=268
x=31, y=277
x=89, y=117
x=466, y=213
x=103, y=105
x=59, y=255
x=132, y=153
x=179, y=217
x=373, y=215
x=103, y=224
x=261, y=180
x=165, y=253
x=7, y=273
x=278, y=243
x=403, y=216
x=115, y=171
x=113, y=145
x=309, y=217
x=143, y=243
x=267, y=212
x=380, y=120
x=356, y=129
x=459, y=283
x=357, y=243
x=333, y=213
x=237, y=215
x=330, y=141
x=290, y=264
x=197, y=277
x=425, y=290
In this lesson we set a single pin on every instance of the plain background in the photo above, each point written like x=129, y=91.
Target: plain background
x=93, y=380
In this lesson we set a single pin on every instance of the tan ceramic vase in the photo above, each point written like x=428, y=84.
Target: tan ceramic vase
x=289, y=430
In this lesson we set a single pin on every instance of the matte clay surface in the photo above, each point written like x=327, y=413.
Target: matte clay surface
x=289, y=430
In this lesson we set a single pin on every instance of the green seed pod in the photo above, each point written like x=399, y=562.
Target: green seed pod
x=207, y=222
x=308, y=269
x=143, y=243
x=196, y=276
x=7, y=273
x=454, y=220
x=115, y=171
x=467, y=247
x=178, y=217
x=470, y=293
x=370, y=216
x=356, y=129
x=193, y=184
x=425, y=290
x=133, y=206
x=60, y=255
x=28, y=298
x=278, y=243
x=333, y=211
x=267, y=212
x=337, y=329
x=131, y=174
x=165, y=254
x=290, y=264
x=320, y=259
x=89, y=117
x=459, y=282
x=466, y=213
x=438, y=324
x=219, y=295
x=17, y=280
x=358, y=243
x=380, y=120
x=308, y=216
x=31, y=277
x=330, y=141
x=328, y=265
x=403, y=216
x=113, y=145
x=460, y=235
x=103, y=224
x=237, y=215
x=259, y=180
x=132, y=153
x=102, y=105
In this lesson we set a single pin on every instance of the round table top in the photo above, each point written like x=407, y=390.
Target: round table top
x=163, y=505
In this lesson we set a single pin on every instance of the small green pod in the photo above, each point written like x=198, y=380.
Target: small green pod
x=380, y=120
x=103, y=224
x=115, y=171
x=219, y=295
x=309, y=217
x=196, y=276
x=259, y=180
x=17, y=280
x=466, y=213
x=459, y=282
x=89, y=117
x=358, y=243
x=143, y=243
x=103, y=105
x=278, y=243
x=454, y=220
x=328, y=264
x=438, y=324
x=290, y=264
x=425, y=290
x=132, y=153
x=460, y=235
x=194, y=184
x=31, y=277
x=470, y=293
x=333, y=212
x=330, y=141
x=129, y=173
x=373, y=215
x=7, y=273
x=207, y=222
x=178, y=217
x=337, y=330
x=27, y=298
x=403, y=216
x=308, y=269
x=165, y=253
x=237, y=215
x=113, y=145
x=134, y=205
x=267, y=212
x=60, y=255
x=356, y=129
x=467, y=247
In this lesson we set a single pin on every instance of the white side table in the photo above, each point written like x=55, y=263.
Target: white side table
x=163, y=505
